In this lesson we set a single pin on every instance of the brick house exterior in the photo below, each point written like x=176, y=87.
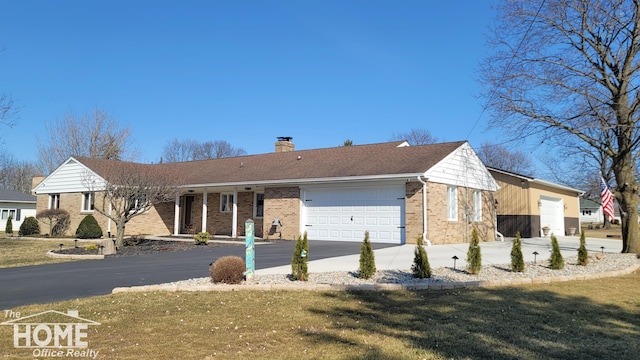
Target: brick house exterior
x=398, y=193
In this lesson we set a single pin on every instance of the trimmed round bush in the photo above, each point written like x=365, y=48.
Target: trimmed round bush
x=228, y=270
x=29, y=226
x=89, y=228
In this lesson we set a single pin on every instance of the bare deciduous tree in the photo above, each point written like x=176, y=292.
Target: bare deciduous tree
x=499, y=157
x=16, y=175
x=95, y=135
x=129, y=190
x=569, y=69
x=189, y=150
x=8, y=110
x=57, y=219
x=416, y=137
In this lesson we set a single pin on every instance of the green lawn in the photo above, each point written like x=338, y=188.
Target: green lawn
x=594, y=319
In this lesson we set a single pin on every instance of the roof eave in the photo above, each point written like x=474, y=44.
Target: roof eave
x=410, y=177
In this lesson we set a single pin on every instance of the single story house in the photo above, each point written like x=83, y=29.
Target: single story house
x=16, y=205
x=530, y=205
x=590, y=211
x=396, y=192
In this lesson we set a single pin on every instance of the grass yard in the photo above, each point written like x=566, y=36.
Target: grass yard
x=25, y=252
x=594, y=319
x=614, y=231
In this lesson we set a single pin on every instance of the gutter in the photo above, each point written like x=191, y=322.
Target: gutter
x=424, y=211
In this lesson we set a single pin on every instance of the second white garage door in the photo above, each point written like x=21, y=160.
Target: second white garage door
x=345, y=214
x=552, y=214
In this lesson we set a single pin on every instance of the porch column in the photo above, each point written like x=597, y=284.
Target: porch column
x=204, y=211
x=234, y=225
x=176, y=216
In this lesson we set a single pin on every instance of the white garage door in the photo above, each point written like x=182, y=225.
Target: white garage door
x=345, y=214
x=552, y=214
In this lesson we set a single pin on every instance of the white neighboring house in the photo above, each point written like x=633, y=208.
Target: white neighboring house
x=590, y=211
x=17, y=205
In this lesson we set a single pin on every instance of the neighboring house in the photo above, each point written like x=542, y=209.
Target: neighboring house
x=332, y=194
x=527, y=205
x=590, y=211
x=17, y=205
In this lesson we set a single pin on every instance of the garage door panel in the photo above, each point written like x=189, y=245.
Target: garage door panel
x=354, y=211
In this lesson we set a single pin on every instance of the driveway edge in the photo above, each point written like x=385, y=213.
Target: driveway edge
x=301, y=286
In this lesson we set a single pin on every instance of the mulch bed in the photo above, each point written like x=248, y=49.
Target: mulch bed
x=140, y=247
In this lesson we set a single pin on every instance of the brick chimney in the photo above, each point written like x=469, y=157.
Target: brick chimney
x=284, y=144
x=35, y=181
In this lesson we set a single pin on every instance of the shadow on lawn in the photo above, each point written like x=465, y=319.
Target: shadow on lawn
x=504, y=323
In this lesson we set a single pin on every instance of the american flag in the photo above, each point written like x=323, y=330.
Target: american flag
x=607, y=199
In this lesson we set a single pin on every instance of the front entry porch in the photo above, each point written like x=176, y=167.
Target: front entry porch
x=220, y=212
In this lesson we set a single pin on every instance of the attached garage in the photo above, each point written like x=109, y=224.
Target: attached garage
x=344, y=214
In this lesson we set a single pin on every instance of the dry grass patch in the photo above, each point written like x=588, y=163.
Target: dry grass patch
x=25, y=252
x=584, y=319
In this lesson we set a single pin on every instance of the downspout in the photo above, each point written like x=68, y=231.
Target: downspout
x=424, y=211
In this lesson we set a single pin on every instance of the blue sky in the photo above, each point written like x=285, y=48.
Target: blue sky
x=247, y=71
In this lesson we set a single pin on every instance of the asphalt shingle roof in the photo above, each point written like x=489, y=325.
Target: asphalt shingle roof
x=337, y=162
x=15, y=196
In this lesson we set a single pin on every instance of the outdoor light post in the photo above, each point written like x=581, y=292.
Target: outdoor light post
x=75, y=243
x=61, y=245
x=454, y=261
x=535, y=256
x=602, y=250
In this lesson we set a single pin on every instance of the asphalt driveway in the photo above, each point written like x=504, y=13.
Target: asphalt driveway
x=71, y=280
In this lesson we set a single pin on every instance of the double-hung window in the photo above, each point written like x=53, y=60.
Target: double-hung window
x=54, y=201
x=452, y=203
x=88, y=201
x=226, y=202
x=477, y=205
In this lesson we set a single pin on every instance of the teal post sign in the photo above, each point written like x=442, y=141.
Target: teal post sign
x=250, y=259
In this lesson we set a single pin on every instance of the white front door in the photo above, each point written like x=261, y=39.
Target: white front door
x=345, y=214
x=552, y=215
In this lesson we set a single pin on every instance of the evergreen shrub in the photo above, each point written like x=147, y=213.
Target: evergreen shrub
x=9, y=228
x=517, y=259
x=202, y=238
x=299, y=267
x=89, y=228
x=556, y=261
x=421, y=268
x=29, y=226
x=583, y=254
x=367, y=260
x=474, y=257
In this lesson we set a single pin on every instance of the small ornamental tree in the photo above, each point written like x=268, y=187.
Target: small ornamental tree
x=474, y=257
x=517, y=259
x=29, y=226
x=367, y=259
x=299, y=269
x=57, y=219
x=89, y=228
x=9, y=228
x=421, y=268
x=556, y=261
x=583, y=254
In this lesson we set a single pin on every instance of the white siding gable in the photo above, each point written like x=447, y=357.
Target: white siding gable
x=69, y=177
x=462, y=167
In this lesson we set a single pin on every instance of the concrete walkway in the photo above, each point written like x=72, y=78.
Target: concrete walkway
x=498, y=252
